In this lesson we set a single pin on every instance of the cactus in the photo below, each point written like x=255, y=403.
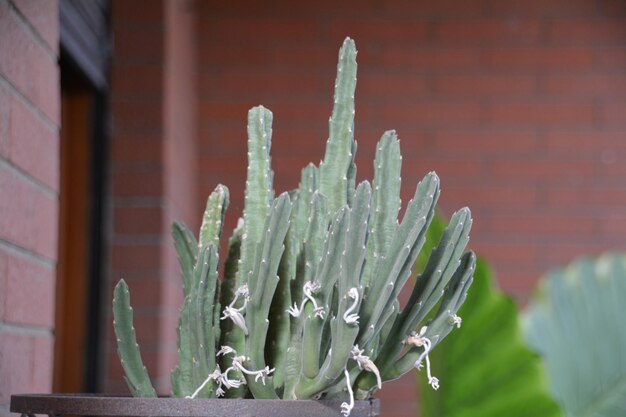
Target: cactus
x=135, y=372
x=308, y=306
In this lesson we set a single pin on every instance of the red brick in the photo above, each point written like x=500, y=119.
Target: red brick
x=480, y=141
x=598, y=85
x=4, y=271
x=115, y=372
x=227, y=142
x=25, y=364
x=29, y=217
x=518, y=283
x=506, y=251
x=138, y=220
x=488, y=30
x=30, y=289
x=6, y=103
x=141, y=79
x=550, y=114
x=287, y=172
x=265, y=30
x=296, y=57
x=137, y=115
x=539, y=58
x=129, y=149
x=157, y=361
x=172, y=297
x=389, y=85
x=130, y=259
x=542, y=224
x=448, y=168
x=611, y=8
x=612, y=114
x=397, y=397
x=379, y=30
x=28, y=142
x=613, y=224
x=566, y=252
x=301, y=112
x=610, y=167
x=488, y=195
x=137, y=183
x=250, y=85
x=431, y=58
x=441, y=8
x=225, y=112
x=541, y=8
x=136, y=13
x=305, y=10
x=610, y=58
x=207, y=184
x=42, y=363
x=44, y=17
x=234, y=7
x=542, y=170
x=587, y=31
x=410, y=137
x=493, y=85
x=224, y=167
x=602, y=197
x=450, y=114
x=28, y=66
x=138, y=44
x=147, y=325
x=585, y=142
x=253, y=55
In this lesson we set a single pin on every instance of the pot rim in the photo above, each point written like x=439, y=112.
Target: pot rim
x=108, y=405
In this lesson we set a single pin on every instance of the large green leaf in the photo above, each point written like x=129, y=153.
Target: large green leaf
x=575, y=321
x=484, y=367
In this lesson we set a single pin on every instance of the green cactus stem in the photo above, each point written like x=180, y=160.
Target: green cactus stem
x=187, y=251
x=262, y=290
x=136, y=374
x=340, y=147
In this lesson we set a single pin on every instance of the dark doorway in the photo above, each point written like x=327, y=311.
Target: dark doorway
x=83, y=156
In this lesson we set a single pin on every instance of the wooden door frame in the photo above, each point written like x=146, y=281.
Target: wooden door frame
x=84, y=46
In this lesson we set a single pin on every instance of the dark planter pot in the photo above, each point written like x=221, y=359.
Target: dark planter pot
x=94, y=405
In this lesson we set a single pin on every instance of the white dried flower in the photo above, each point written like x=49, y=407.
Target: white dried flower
x=346, y=408
x=348, y=316
x=235, y=314
x=365, y=363
x=262, y=374
x=420, y=340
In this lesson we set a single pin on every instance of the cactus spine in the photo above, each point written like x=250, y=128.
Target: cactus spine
x=308, y=306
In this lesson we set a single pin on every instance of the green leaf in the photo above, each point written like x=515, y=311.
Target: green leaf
x=484, y=367
x=575, y=322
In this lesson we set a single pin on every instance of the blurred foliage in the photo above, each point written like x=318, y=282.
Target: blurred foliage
x=575, y=321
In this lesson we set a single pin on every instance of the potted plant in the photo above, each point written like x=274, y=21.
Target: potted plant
x=307, y=307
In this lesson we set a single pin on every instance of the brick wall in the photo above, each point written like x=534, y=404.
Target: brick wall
x=518, y=105
x=152, y=170
x=29, y=186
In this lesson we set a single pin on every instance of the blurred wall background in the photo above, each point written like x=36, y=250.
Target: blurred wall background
x=519, y=106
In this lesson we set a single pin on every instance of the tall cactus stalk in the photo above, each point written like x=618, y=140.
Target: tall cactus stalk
x=308, y=305
x=135, y=372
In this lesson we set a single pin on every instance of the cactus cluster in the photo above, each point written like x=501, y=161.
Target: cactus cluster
x=308, y=306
